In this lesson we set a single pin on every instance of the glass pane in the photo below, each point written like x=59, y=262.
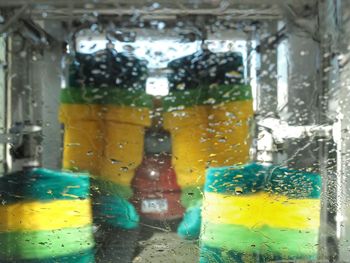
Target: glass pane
x=200, y=131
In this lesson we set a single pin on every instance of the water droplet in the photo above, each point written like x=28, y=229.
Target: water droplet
x=238, y=190
x=124, y=169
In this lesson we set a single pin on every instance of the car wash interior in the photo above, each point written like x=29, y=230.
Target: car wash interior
x=174, y=131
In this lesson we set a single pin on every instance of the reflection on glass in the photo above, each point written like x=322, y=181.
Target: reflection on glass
x=208, y=131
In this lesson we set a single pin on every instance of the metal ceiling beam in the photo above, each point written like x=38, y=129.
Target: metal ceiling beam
x=274, y=11
x=161, y=3
x=164, y=14
x=168, y=7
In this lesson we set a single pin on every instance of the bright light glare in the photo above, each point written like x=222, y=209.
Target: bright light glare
x=158, y=53
x=157, y=86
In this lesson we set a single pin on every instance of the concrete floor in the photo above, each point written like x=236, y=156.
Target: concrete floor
x=167, y=247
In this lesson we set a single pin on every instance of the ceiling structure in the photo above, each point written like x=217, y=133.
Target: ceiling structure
x=236, y=9
x=204, y=16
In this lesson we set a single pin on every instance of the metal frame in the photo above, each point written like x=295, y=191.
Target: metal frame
x=318, y=37
x=2, y=101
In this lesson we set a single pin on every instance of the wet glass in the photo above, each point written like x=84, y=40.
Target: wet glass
x=200, y=131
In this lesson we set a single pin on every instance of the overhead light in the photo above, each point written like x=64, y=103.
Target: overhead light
x=157, y=86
